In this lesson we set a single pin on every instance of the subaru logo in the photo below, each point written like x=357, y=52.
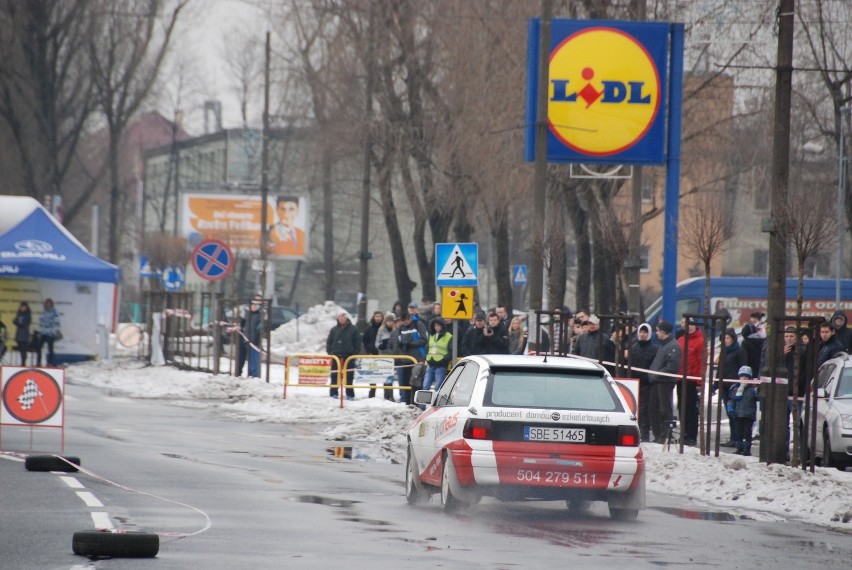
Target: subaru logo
x=555, y=416
x=33, y=245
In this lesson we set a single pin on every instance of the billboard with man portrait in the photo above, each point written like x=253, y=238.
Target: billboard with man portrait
x=236, y=220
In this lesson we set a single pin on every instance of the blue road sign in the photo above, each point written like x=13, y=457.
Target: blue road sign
x=173, y=278
x=456, y=264
x=212, y=260
x=519, y=274
x=145, y=269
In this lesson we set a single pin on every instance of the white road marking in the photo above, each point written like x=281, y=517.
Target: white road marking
x=102, y=520
x=72, y=482
x=11, y=457
x=90, y=499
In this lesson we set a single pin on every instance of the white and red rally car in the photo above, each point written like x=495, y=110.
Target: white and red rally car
x=527, y=427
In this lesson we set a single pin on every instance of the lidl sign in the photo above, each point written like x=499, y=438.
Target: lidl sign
x=606, y=91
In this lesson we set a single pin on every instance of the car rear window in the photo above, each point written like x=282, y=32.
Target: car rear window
x=568, y=390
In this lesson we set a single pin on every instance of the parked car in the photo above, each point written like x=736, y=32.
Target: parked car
x=834, y=413
x=527, y=427
x=278, y=315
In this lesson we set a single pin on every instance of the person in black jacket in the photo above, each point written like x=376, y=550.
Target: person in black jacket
x=829, y=346
x=368, y=339
x=753, y=346
x=410, y=338
x=667, y=363
x=732, y=358
x=343, y=341
x=641, y=354
x=22, y=321
x=841, y=331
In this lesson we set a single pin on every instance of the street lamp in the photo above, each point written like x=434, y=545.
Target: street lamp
x=841, y=191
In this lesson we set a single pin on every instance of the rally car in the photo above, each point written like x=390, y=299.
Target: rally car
x=527, y=427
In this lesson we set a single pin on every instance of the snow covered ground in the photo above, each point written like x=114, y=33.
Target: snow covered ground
x=737, y=485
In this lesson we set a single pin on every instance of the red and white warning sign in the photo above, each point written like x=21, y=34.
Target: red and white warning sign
x=33, y=396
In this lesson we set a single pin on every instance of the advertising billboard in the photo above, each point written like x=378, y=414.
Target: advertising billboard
x=235, y=219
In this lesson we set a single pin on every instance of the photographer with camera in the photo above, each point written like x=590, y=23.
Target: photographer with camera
x=495, y=338
x=410, y=338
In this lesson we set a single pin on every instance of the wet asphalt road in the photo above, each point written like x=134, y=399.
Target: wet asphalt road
x=279, y=496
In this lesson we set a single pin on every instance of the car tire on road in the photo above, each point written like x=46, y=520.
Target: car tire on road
x=828, y=461
x=67, y=464
x=448, y=480
x=109, y=544
x=623, y=514
x=414, y=491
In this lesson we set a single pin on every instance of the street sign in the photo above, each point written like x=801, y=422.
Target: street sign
x=173, y=278
x=519, y=273
x=456, y=264
x=145, y=269
x=212, y=260
x=457, y=303
x=32, y=396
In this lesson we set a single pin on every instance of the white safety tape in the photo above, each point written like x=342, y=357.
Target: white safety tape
x=173, y=535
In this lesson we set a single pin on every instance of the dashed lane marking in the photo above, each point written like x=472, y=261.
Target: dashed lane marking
x=89, y=498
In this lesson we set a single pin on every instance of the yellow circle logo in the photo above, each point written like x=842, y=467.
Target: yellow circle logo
x=604, y=91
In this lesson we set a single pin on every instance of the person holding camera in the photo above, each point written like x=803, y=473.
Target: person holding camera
x=495, y=338
x=411, y=340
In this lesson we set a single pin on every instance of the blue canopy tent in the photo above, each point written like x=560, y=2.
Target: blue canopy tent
x=40, y=259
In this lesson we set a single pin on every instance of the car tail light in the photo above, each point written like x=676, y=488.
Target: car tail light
x=628, y=436
x=477, y=429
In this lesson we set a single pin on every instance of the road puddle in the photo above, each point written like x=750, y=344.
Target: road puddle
x=694, y=514
x=359, y=453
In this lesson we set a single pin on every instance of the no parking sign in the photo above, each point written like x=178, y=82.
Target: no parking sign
x=212, y=260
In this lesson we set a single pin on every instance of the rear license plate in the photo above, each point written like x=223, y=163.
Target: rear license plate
x=573, y=435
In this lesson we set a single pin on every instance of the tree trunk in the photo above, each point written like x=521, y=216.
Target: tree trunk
x=580, y=222
x=503, y=269
x=328, y=224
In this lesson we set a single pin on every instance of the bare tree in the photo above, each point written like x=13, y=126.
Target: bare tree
x=127, y=53
x=808, y=223
x=45, y=90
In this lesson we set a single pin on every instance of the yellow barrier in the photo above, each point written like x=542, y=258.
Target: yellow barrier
x=376, y=356
x=342, y=386
x=326, y=386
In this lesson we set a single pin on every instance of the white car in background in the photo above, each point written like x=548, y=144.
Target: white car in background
x=527, y=427
x=834, y=412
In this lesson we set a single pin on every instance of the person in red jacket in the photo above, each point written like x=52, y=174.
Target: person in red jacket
x=693, y=361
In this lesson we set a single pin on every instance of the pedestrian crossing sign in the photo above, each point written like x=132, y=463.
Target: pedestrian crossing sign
x=456, y=264
x=457, y=302
x=519, y=273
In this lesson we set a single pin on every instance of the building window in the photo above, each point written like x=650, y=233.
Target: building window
x=760, y=267
x=649, y=183
x=818, y=266
x=645, y=259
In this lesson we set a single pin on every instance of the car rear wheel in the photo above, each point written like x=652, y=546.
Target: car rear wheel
x=448, y=479
x=623, y=514
x=828, y=461
x=578, y=505
x=414, y=491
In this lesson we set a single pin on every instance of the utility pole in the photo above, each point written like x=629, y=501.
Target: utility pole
x=364, y=255
x=264, y=173
x=634, y=261
x=536, y=276
x=773, y=448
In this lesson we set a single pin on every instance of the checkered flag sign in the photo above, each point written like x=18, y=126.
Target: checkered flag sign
x=30, y=393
